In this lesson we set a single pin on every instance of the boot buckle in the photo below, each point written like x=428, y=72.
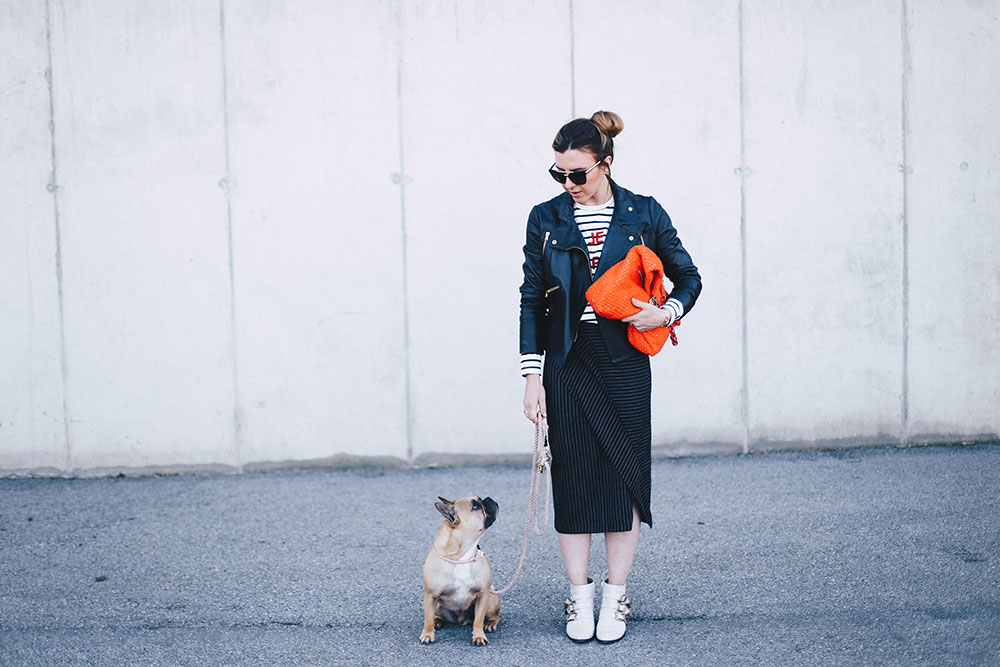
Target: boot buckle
x=570, y=609
x=623, y=609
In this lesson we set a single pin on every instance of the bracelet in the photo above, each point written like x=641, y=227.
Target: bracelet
x=668, y=319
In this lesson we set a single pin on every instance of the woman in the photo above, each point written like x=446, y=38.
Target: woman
x=595, y=388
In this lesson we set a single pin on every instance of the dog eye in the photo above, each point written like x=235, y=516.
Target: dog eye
x=476, y=506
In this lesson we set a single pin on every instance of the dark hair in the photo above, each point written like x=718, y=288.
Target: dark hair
x=595, y=134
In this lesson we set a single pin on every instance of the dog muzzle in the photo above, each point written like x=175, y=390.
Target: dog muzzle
x=491, y=508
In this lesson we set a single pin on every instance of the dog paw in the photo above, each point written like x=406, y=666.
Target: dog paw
x=491, y=626
x=427, y=637
x=480, y=639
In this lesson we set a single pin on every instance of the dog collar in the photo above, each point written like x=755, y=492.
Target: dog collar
x=461, y=561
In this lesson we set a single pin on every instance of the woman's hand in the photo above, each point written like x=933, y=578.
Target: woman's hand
x=534, y=397
x=648, y=318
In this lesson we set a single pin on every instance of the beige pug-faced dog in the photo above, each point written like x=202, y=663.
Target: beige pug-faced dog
x=456, y=575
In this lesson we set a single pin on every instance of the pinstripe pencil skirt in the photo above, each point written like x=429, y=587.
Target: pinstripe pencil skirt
x=599, y=434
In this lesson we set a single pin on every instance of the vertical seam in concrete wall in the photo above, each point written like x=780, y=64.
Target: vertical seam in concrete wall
x=402, y=231
x=54, y=187
x=572, y=62
x=905, y=113
x=744, y=355
x=225, y=185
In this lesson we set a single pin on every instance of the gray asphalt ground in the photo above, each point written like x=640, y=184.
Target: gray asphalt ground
x=848, y=557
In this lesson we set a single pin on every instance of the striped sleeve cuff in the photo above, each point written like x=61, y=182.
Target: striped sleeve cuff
x=675, y=308
x=531, y=364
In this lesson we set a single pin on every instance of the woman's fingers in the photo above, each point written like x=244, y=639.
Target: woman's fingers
x=648, y=318
x=534, y=402
x=531, y=407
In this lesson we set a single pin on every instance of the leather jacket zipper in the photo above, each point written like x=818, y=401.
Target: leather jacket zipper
x=586, y=256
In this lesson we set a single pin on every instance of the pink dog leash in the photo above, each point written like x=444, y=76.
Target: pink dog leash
x=541, y=463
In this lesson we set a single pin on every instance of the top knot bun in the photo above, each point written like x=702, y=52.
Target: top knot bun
x=608, y=122
x=595, y=134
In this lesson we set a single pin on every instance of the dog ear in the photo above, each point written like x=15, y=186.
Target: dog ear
x=447, y=508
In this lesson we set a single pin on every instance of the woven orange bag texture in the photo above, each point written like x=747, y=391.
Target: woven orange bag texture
x=639, y=276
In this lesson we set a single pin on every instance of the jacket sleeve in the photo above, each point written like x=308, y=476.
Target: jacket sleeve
x=533, y=319
x=677, y=263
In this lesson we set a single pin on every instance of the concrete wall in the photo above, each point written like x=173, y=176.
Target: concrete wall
x=236, y=234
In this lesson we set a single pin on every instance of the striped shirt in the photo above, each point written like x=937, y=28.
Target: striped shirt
x=593, y=222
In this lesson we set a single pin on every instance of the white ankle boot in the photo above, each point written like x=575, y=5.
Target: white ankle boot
x=615, y=607
x=580, y=612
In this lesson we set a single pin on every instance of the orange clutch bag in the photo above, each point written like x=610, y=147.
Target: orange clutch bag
x=640, y=276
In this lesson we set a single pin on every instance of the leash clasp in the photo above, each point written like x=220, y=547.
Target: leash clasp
x=543, y=455
x=545, y=460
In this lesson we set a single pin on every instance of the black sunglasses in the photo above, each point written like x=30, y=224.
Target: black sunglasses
x=577, y=177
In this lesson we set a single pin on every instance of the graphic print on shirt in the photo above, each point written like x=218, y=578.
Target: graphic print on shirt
x=596, y=238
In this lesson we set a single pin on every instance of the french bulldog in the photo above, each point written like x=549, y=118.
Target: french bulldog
x=456, y=575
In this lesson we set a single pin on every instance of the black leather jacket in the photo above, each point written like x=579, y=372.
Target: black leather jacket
x=557, y=271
